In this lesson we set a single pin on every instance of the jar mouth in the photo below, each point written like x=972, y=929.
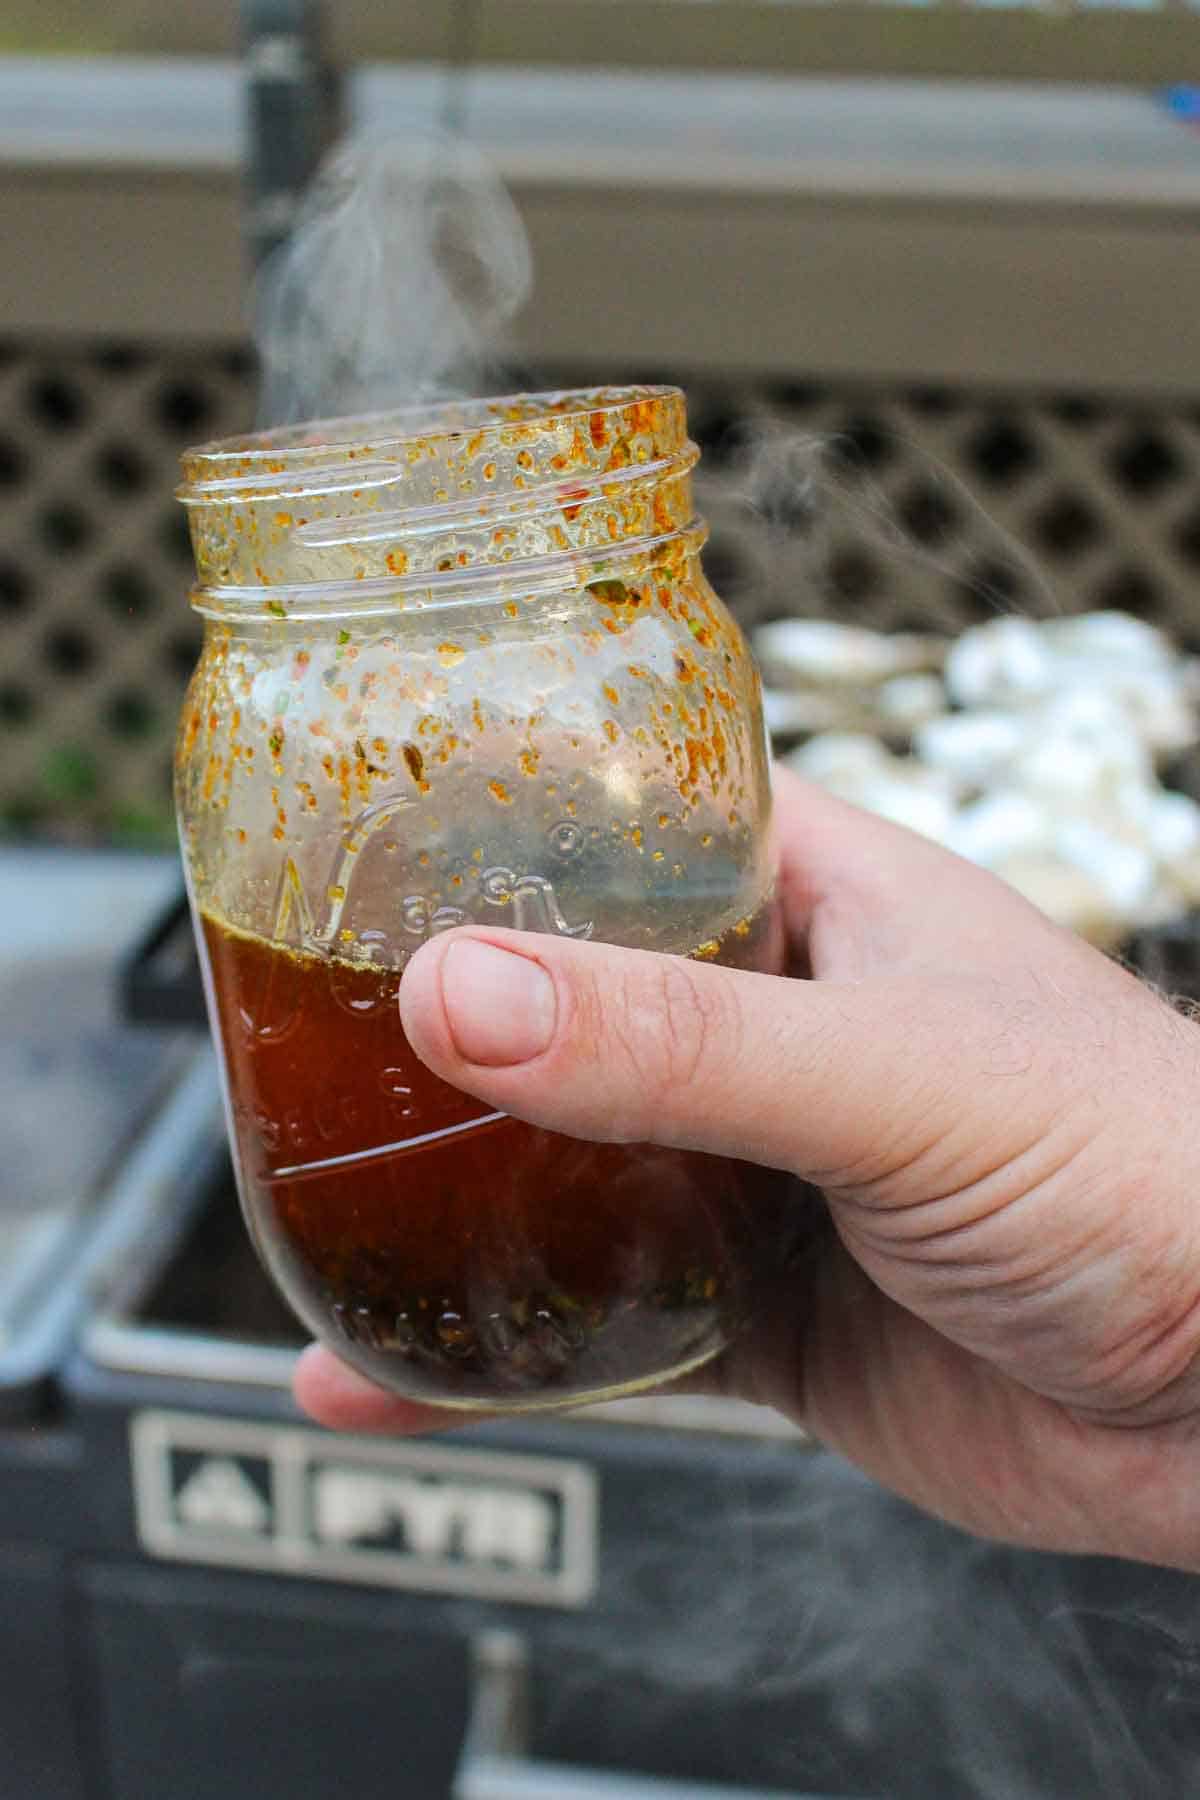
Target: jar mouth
x=438, y=503
x=342, y=446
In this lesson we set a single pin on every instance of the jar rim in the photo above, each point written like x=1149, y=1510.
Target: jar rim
x=386, y=436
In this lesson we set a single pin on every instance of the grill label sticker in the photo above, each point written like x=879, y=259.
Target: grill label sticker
x=438, y=1519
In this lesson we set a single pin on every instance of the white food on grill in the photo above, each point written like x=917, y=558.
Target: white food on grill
x=1032, y=747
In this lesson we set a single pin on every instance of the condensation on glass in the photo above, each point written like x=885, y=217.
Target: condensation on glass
x=461, y=665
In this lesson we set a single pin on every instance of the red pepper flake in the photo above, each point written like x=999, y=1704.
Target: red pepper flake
x=575, y=496
x=415, y=762
x=499, y=792
x=397, y=562
x=694, y=757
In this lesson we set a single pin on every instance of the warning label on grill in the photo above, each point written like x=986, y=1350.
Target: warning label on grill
x=420, y=1516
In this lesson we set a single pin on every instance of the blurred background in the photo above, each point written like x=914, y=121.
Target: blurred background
x=958, y=241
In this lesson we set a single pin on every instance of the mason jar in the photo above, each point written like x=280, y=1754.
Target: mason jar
x=461, y=664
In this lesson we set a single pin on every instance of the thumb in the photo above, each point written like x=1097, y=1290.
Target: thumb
x=630, y=1046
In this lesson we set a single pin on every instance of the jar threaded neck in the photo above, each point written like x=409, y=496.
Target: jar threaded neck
x=443, y=504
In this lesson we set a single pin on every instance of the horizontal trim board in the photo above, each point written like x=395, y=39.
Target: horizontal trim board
x=1132, y=45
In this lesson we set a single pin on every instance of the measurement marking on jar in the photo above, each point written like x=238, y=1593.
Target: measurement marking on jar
x=293, y=1170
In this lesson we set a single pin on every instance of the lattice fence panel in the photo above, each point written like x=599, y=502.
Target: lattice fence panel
x=95, y=635
x=945, y=505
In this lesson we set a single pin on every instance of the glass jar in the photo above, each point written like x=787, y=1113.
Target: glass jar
x=461, y=664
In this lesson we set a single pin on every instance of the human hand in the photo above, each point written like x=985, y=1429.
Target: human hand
x=1003, y=1323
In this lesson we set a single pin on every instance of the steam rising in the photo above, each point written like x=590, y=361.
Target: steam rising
x=407, y=261
x=805, y=499
x=868, y=1651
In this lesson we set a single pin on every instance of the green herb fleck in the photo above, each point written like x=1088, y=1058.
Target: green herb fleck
x=277, y=607
x=611, y=593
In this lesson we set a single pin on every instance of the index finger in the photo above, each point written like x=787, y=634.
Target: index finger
x=336, y=1395
x=862, y=894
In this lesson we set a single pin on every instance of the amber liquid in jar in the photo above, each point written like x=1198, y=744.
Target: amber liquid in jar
x=458, y=1255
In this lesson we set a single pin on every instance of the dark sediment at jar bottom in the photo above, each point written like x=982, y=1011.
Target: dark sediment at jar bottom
x=462, y=1257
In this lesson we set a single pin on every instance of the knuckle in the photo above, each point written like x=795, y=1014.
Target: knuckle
x=648, y=1028
x=669, y=1025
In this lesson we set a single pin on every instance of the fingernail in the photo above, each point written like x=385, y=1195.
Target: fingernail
x=501, y=1008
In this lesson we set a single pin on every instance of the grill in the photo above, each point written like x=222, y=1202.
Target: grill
x=656, y=1600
